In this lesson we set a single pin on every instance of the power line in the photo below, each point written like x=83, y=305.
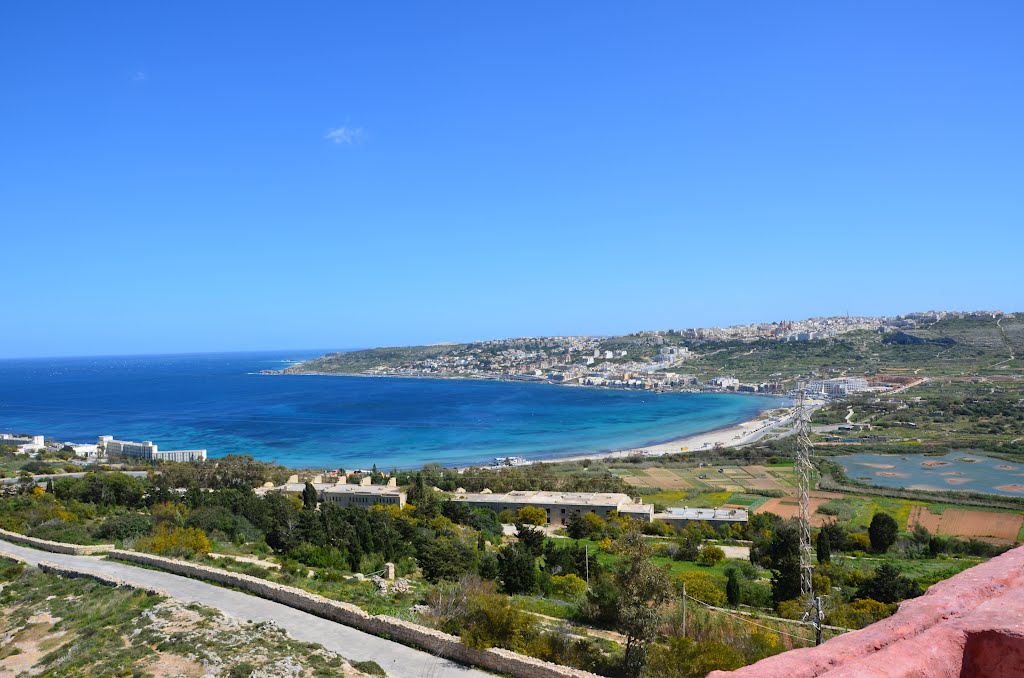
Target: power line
x=749, y=621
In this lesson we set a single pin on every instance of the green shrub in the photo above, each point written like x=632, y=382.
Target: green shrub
x=178, y=541
x=124, y=527
x=369, y=667
x=568, y=587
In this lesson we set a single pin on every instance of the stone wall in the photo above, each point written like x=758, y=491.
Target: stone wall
x=72, y=573
x=55, y=546
x=408, y=633
x=971, y=624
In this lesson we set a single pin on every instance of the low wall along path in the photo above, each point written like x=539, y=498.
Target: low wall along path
x=432, y=640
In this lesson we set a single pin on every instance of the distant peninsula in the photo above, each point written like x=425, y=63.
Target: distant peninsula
x=766, y=357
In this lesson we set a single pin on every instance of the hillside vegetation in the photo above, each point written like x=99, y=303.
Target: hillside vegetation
x=970, y=346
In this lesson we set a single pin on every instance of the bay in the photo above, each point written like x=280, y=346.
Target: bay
x=221, y=403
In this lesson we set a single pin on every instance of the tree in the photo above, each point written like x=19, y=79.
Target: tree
x=532, y=515
x=887, y=585
x=517, y=569
x=569, y=587
x=691, y=538
x=585, y=525
x=732, y=588
x=836, y=536
x=700, y=586
x=824, y=547
x=309, y=496
x=783, y=543
x=786, y=579
x=644, y=590
x=491, y=620
x=488, y=566
x=603, y=598
x=445, y=558
x=531, y=537
x=710, y=555
x=882, y=532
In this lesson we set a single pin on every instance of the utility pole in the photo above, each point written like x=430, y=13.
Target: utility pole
x=817, y=620
x=684, y=609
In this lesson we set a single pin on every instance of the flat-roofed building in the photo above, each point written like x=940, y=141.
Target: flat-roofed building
x=363, y=495
x=343, y=494
x=680, y=517
x=23, y=444
x=146, y=450
x=559, y=506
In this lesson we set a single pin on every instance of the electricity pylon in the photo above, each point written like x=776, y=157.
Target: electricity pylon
x=804, y=468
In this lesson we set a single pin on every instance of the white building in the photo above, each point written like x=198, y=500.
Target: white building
x=724, y=382
x=146, y=450
x=23, y=444
x=838, y=388
x=84, y=450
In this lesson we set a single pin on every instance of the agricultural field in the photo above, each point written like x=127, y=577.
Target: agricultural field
x=746, y=486
x=789, y=507
x=698, y=480
x=968, y=523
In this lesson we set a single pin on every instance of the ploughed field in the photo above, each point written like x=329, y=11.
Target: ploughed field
x=968, y=523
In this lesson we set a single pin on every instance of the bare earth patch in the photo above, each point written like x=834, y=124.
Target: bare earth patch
x=168, y=665
x=967, y=523
x=788, y=507
x=32, y=642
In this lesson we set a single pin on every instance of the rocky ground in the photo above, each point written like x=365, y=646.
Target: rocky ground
x=51, y=626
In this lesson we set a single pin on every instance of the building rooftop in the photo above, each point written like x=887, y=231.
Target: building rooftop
x=705, y=514
x=333, y=488
x=361, y=489
x=544, y=497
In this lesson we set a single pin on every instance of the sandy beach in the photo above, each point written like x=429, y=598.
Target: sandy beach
x=740, y=434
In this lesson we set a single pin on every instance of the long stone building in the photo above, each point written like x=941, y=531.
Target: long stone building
x=341, y=493
x=559, y=506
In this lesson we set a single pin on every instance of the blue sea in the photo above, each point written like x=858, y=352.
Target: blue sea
x=221, y=403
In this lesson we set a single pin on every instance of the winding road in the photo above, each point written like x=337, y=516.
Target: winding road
x=398, y=660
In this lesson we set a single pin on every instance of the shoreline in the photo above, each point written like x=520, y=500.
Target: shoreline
x=736, y=435
x=509, y=380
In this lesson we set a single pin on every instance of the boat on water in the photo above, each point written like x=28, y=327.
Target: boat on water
x=510, y=461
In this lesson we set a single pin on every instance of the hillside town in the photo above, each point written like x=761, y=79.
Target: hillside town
x=655, y=360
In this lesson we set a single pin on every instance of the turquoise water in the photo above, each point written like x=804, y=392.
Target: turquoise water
x=221, y=403
x=964, y=470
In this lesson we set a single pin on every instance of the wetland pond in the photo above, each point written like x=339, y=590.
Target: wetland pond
x=964, y=470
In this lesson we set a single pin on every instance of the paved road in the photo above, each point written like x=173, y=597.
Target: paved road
x=397, y=659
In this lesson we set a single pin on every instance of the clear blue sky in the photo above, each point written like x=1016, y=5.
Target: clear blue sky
x=220, y=176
